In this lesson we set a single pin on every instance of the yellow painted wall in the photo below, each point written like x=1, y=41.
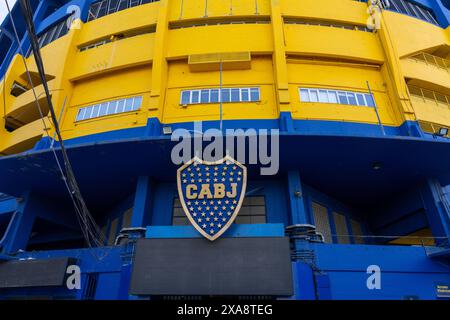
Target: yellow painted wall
x=180, y=78
x=340, y=77
x=154, y=64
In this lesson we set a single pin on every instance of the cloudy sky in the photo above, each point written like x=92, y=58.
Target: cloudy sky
x=3, y=9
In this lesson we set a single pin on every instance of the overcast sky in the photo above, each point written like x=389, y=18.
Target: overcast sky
x=3, y=9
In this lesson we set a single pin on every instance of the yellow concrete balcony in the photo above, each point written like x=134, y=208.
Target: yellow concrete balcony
x=126, y=20
x=24, y=108
x=429, y=69
x=430, y=106
x=112, y=56
x=333, y=42
x=24, y=138
x=332, y=10
x=195, y=9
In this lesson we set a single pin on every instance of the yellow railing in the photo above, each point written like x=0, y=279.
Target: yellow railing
x=433, y=60
x=441, y=100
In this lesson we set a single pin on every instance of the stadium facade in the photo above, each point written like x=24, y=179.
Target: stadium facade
x=358, y=209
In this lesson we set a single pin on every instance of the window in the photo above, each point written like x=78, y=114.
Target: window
x=52, y=33
x=340, y=222
x=410, y=9
x=321, y=221
x=226, y=95
x=109, y=108
x=357, y=232
x=253, y=211
x=104, y=7
x=337, y=97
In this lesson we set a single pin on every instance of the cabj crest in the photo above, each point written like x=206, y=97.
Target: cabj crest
x=212, y=193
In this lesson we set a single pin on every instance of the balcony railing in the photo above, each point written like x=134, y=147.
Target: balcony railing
x=432, y=60
x=104, y=7
x=429, y=96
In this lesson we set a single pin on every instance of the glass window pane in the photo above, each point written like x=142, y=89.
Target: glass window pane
x=225, y=95
x=88, y=113
x=195, y=96
x=123, y=4
x=245, y=94
x=332, y=96
x=323, y=96
x=128, y=105
x=313, y=95
x=185, y=97
x=103, y=109
x=81, y=113
x=205, y=96
x=214, y=95
x=137, y=103
x=120, y=106
x=304, y=95
x=351, y=99
x=342, y=97
x=95, y=111
x=369, y=100
x=360, y=99
x=112, y=107
x=103, y=8
x=254, y=94
x=235, y=95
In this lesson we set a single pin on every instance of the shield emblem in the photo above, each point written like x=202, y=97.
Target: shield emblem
x=211, y=193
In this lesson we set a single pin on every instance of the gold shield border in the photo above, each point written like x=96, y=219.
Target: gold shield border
x=236, y=210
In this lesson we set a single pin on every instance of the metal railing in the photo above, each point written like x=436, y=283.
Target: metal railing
x=441, y=100
x=432, y=60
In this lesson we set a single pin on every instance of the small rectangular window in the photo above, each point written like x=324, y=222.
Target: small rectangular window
x=369, y=100
x=204, y=96
x=95, y=111
x=245, y=94
x=128, y=105
x=313, y=95
x=112, y=106
x=137, y=102
x=214, y=97
x=235, y=95
x=195, y=96
x=185, y=97
x=351, y=99
x=304, y=95
x=81, y=113
x=360, y=98
x=120, y=106
x=88, y=113
x=254, y=94
x=225, y=95
x=332, y=96
x=342, y=97
x=103, y=109
x=323, y=96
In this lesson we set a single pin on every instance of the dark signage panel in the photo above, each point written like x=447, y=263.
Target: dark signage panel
x=33, y=273
x=227, y=266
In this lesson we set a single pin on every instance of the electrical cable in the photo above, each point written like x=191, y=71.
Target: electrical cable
x=89, y=228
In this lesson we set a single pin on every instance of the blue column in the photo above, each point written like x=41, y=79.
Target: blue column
x=142, y=202
x=437, y=209
x=19, y=234
x=298, y=213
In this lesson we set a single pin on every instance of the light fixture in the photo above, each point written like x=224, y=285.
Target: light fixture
x=442, y=132
x=376, y=166
x=167, y=130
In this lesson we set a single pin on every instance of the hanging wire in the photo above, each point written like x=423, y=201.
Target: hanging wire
x=91, y=232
